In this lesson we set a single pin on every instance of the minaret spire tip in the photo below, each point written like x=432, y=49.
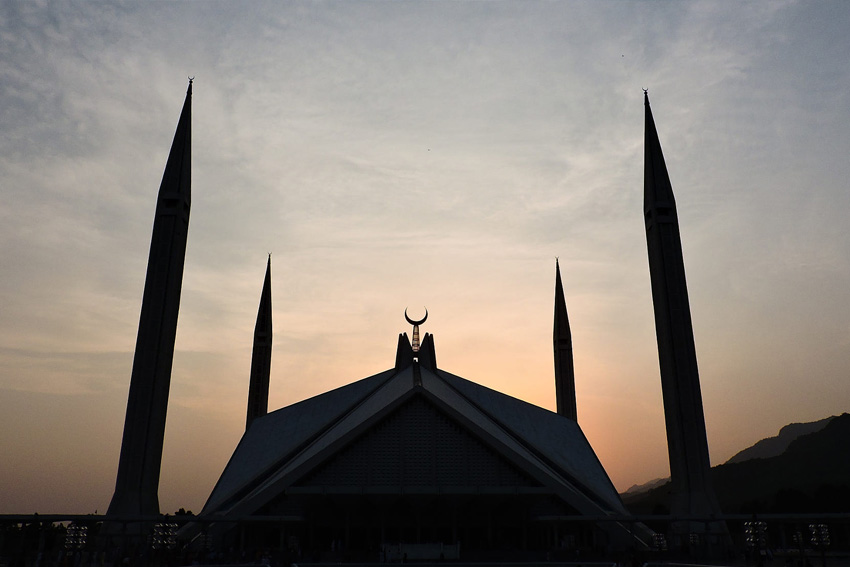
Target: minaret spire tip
x=189, y=90
x=261, y=355
x=565, y=388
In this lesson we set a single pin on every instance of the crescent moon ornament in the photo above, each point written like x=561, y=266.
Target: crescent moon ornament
x=415, y=323
x=415, y=342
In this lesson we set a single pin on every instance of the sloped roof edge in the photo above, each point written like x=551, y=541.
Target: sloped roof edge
x=545, y=435
x=272, y=439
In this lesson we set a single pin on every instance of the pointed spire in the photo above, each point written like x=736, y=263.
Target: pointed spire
x=565, y=389
x=692, y=490
x=403, y=353
x=658, y=192
x=261, y=359
x=177, y=178
x=137, y=482
x=427, y=353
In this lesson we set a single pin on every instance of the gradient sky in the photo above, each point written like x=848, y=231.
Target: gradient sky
x=394, y=154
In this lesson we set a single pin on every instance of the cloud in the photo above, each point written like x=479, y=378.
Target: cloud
x=402, y=154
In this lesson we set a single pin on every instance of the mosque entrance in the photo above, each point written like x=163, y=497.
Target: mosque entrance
x=388, y=527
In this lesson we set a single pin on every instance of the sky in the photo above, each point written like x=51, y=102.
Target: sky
x=394, y=155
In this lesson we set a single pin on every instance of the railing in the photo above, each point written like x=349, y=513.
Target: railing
x=764, y=540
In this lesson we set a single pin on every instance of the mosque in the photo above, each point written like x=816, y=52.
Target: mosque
x=419, y=462
x=415, y=462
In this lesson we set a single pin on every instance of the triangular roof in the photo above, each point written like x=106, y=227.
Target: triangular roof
x=276, y=436
x=281, y=448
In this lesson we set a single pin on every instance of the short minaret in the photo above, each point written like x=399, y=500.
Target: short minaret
x=137, y=483
x=692, y=489
x=261, y=360
x=565, y=384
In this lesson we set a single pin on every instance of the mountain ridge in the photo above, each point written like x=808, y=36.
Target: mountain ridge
x=765, y=448
x=776, y=445
x=811, y=475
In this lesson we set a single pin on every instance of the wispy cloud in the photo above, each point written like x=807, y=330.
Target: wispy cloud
x=401, y=154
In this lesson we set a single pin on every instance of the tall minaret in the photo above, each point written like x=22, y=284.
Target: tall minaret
x=565, y=384
x=137, y=483
x=261, y=359
x=693, y=493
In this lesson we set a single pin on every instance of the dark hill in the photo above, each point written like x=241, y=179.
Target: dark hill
x=811, y=475
x=775, y=446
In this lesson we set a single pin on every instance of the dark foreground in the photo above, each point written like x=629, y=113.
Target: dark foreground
x=84, y=541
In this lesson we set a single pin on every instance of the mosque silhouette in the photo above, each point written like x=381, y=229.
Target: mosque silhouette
x=415, y=462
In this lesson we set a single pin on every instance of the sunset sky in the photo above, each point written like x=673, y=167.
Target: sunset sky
x=410, y=154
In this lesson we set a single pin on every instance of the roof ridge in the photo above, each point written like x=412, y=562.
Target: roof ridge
x=298, y=448
x=529, y=446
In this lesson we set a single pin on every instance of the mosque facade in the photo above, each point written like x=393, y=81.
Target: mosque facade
x=420, y=462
